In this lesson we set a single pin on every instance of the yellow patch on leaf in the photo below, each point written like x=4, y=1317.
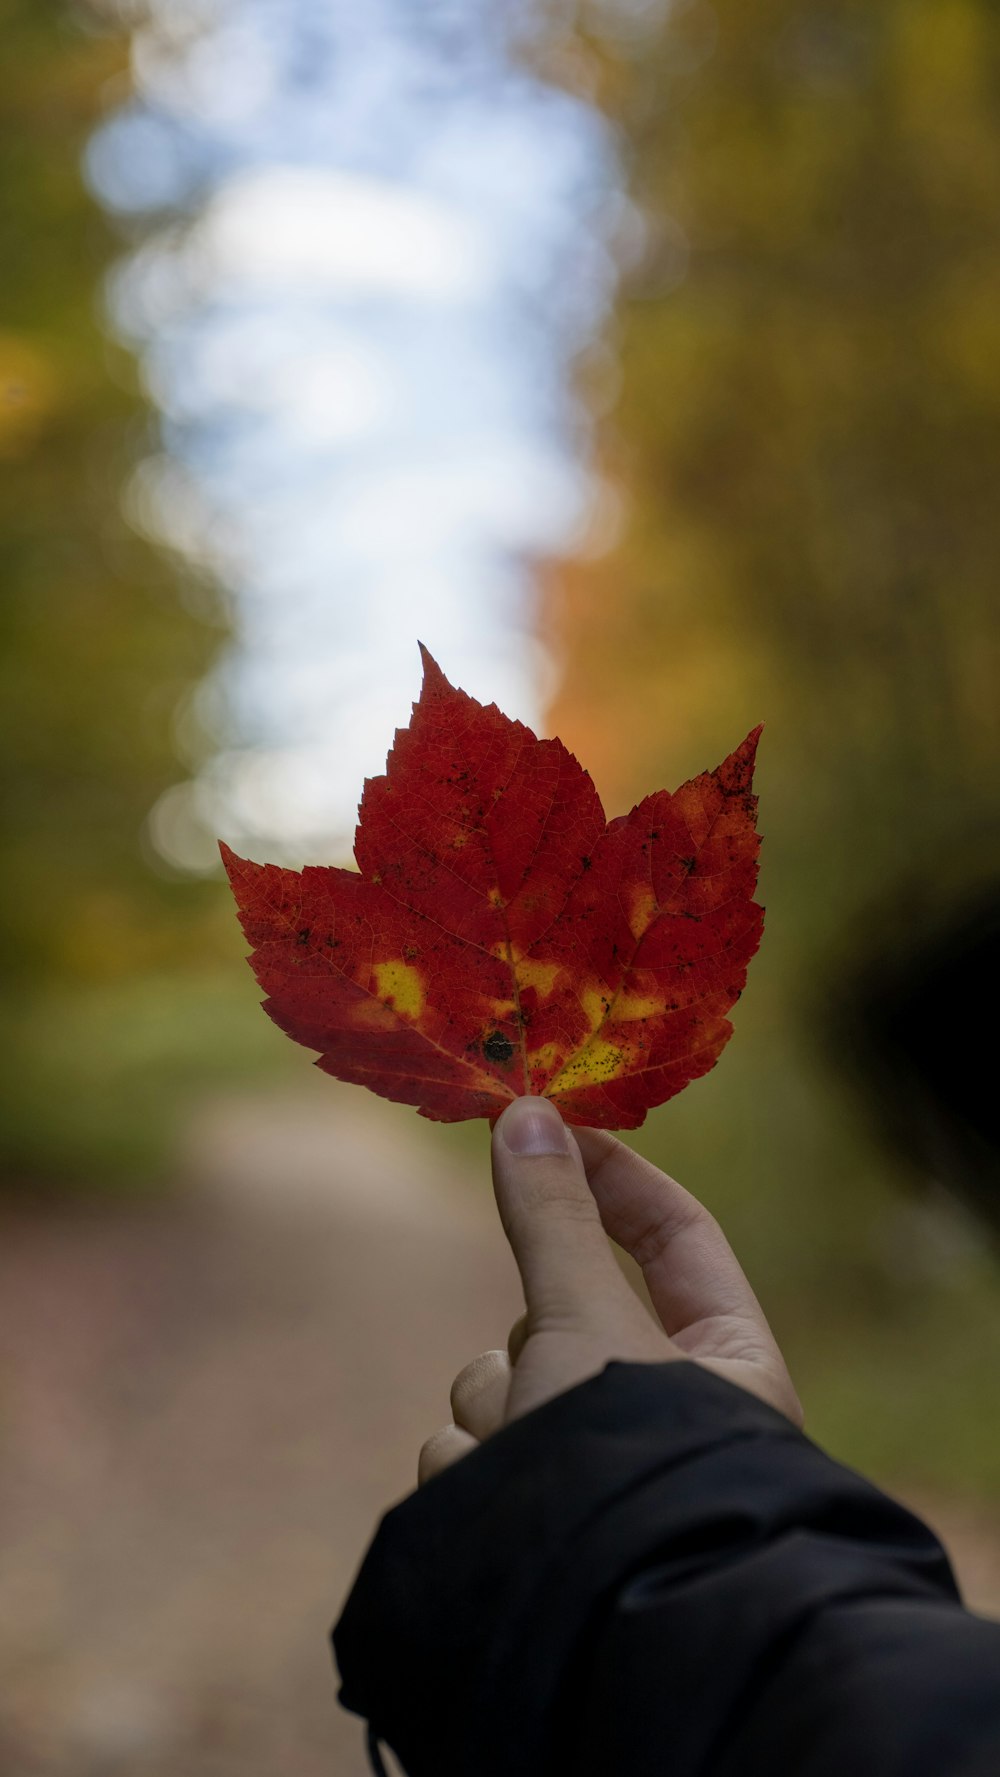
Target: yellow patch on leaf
x=593, y=1065
x=642, y=910
x=402, y=985
x=541, y=976
x=629, y=1007
x=545, y=1058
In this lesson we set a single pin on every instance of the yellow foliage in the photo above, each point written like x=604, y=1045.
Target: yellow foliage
x=28, y=391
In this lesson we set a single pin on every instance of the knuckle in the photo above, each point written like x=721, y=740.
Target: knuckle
x=436, y=1440
x=655, y=1236
x=431, y=1451
x=476, y=1376
x=566, y=1197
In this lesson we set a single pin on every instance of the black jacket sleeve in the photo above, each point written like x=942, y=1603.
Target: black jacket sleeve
x=657, y=1574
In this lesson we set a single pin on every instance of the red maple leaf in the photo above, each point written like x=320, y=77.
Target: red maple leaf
x=499, y=937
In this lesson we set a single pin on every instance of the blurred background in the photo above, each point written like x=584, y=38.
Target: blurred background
x=642, y=357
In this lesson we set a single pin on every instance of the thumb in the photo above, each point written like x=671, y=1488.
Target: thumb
x=550, y=1217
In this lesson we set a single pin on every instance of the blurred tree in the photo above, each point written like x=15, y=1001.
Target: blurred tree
x=806, y=447
x=97, y=647
x=808, y=443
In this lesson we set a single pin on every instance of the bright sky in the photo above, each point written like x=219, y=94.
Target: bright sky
x=369, y=248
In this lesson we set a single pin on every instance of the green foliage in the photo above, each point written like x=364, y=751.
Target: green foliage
x=103, y=1078
x=96, y=647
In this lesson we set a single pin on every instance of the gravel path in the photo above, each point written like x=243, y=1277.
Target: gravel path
x=205, y=1404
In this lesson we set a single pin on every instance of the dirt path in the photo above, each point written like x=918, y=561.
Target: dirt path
x=204, y=1406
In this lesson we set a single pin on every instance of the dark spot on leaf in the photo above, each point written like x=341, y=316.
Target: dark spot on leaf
x=303, y=937
x=586, y=862
x=497, y=1047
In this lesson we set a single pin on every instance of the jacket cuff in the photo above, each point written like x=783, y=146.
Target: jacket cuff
x=482, y=1591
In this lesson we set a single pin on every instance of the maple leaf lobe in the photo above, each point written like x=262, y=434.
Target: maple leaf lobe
x=500, y=936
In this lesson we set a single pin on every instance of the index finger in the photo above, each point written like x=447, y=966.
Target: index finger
x=690, y=1269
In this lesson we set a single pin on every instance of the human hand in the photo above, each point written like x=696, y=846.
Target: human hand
x=560, y=1194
